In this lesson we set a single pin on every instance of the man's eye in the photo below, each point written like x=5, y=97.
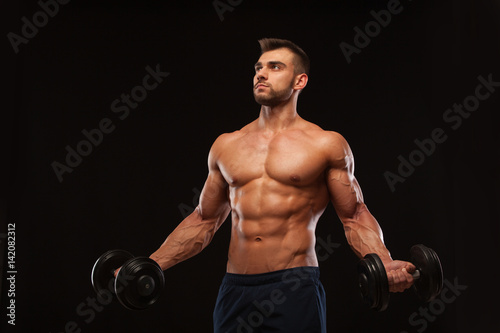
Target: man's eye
x=276, y=67
x=258, y=69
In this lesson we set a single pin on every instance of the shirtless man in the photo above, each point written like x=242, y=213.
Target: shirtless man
x=276, y=176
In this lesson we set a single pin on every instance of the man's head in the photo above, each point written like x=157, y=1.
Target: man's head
x=300, y=58
x=281, y=70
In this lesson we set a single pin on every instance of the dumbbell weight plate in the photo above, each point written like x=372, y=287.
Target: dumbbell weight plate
x=373, y=282
x=430, y=282
x=139, y=283
x=104, y=267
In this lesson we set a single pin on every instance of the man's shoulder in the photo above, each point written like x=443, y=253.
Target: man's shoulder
x=332, y=137
x=229, y=137
x=331, y=143
x=226, y=139
x=323, y=136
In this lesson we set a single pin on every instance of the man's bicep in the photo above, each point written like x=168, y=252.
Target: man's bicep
x=343, y=188
x=214, y=198
x=345, y=193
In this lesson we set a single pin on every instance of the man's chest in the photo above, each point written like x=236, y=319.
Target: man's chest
x=289, y=160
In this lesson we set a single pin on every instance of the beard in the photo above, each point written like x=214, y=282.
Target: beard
x=274, y=97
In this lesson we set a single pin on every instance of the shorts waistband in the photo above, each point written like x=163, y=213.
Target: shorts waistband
x=303, y=272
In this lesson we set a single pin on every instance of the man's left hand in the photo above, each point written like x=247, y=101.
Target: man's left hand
x=399, y=274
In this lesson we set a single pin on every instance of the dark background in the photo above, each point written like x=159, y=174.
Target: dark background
x=135, y=187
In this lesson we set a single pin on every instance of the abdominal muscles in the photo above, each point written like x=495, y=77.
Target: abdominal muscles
x=273, y=226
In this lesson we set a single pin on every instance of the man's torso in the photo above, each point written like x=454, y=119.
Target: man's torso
x=277, y=192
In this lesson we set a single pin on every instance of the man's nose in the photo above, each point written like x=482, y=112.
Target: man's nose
x=261, y=74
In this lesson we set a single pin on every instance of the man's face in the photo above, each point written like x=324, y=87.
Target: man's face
x=274, y=77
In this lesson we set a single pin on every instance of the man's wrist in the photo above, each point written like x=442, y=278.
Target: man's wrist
x=162, y=263
x=386, y=260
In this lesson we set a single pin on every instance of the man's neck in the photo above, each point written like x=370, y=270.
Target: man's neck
x=278, y=117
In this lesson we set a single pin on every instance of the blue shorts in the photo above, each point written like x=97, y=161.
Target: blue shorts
x=289, y=300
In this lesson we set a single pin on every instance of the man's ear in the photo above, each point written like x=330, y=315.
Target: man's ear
x=300, y=81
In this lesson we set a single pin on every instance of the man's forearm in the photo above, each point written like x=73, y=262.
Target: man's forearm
x=191, y=236
x=364, y=234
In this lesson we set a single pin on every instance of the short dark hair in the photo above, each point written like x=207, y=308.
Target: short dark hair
x=301, y=60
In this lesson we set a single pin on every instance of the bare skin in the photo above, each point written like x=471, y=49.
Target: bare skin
x=276, y=176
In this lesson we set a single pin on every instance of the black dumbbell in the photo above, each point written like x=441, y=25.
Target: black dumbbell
x=374, y=284
x=138, y=283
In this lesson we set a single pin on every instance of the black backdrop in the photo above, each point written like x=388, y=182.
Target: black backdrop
x=135, y=186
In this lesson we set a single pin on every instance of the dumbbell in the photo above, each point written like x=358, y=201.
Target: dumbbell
x=139, y=281
x=374, y=285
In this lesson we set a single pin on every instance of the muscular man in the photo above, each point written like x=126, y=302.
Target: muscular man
x=276, y=176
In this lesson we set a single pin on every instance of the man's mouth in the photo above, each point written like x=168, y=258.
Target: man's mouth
x=260, y=85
